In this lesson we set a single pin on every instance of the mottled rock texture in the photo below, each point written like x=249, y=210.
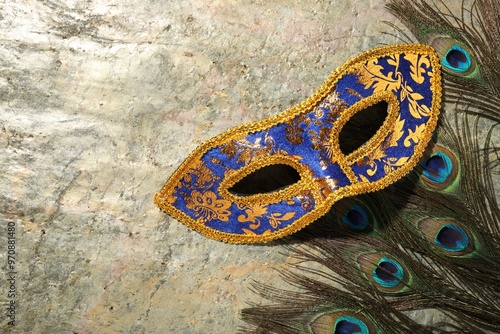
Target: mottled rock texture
x=100, y=101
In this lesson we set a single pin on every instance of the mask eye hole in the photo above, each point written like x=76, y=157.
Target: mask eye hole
x=265, y=180
x=362, y=126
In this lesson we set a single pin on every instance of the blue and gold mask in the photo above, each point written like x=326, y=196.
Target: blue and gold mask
x=265, y=180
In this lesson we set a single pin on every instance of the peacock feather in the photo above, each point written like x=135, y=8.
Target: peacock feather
x=431, y=241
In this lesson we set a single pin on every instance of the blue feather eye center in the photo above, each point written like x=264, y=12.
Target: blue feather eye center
x=452, y=238
x=457, y=59
x=350, y=325
x=356, y=218
x=388, y=273
x=438, y=167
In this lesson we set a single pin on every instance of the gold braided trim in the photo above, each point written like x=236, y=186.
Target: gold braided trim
x=161, y=198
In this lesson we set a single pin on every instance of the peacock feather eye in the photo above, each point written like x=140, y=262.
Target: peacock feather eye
x=340, y=322
x=356, y=218
x=438, y=167
x=354, y=215
x=388, y=273
x=440, y=170
x=447, y=236
x=350, y=325
x=457, y=59
x=452, y=238
x=385, y=272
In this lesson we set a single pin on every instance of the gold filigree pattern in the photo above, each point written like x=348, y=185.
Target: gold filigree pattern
x=371, y=75
x=320, y=141
x=275, y=219
x=207, y=207
x=417, y=67
x=392, y=163
x=199, y=176
x=294, y=131
x=246, y=151
x=252, y=215
x=414, y=135
x=334, y=104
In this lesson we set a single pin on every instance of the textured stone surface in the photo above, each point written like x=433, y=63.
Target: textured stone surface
x=100, y=102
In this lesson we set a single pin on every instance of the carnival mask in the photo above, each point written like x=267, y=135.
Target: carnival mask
x=267, y=179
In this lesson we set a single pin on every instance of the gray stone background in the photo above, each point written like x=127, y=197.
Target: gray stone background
x=100, y=102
